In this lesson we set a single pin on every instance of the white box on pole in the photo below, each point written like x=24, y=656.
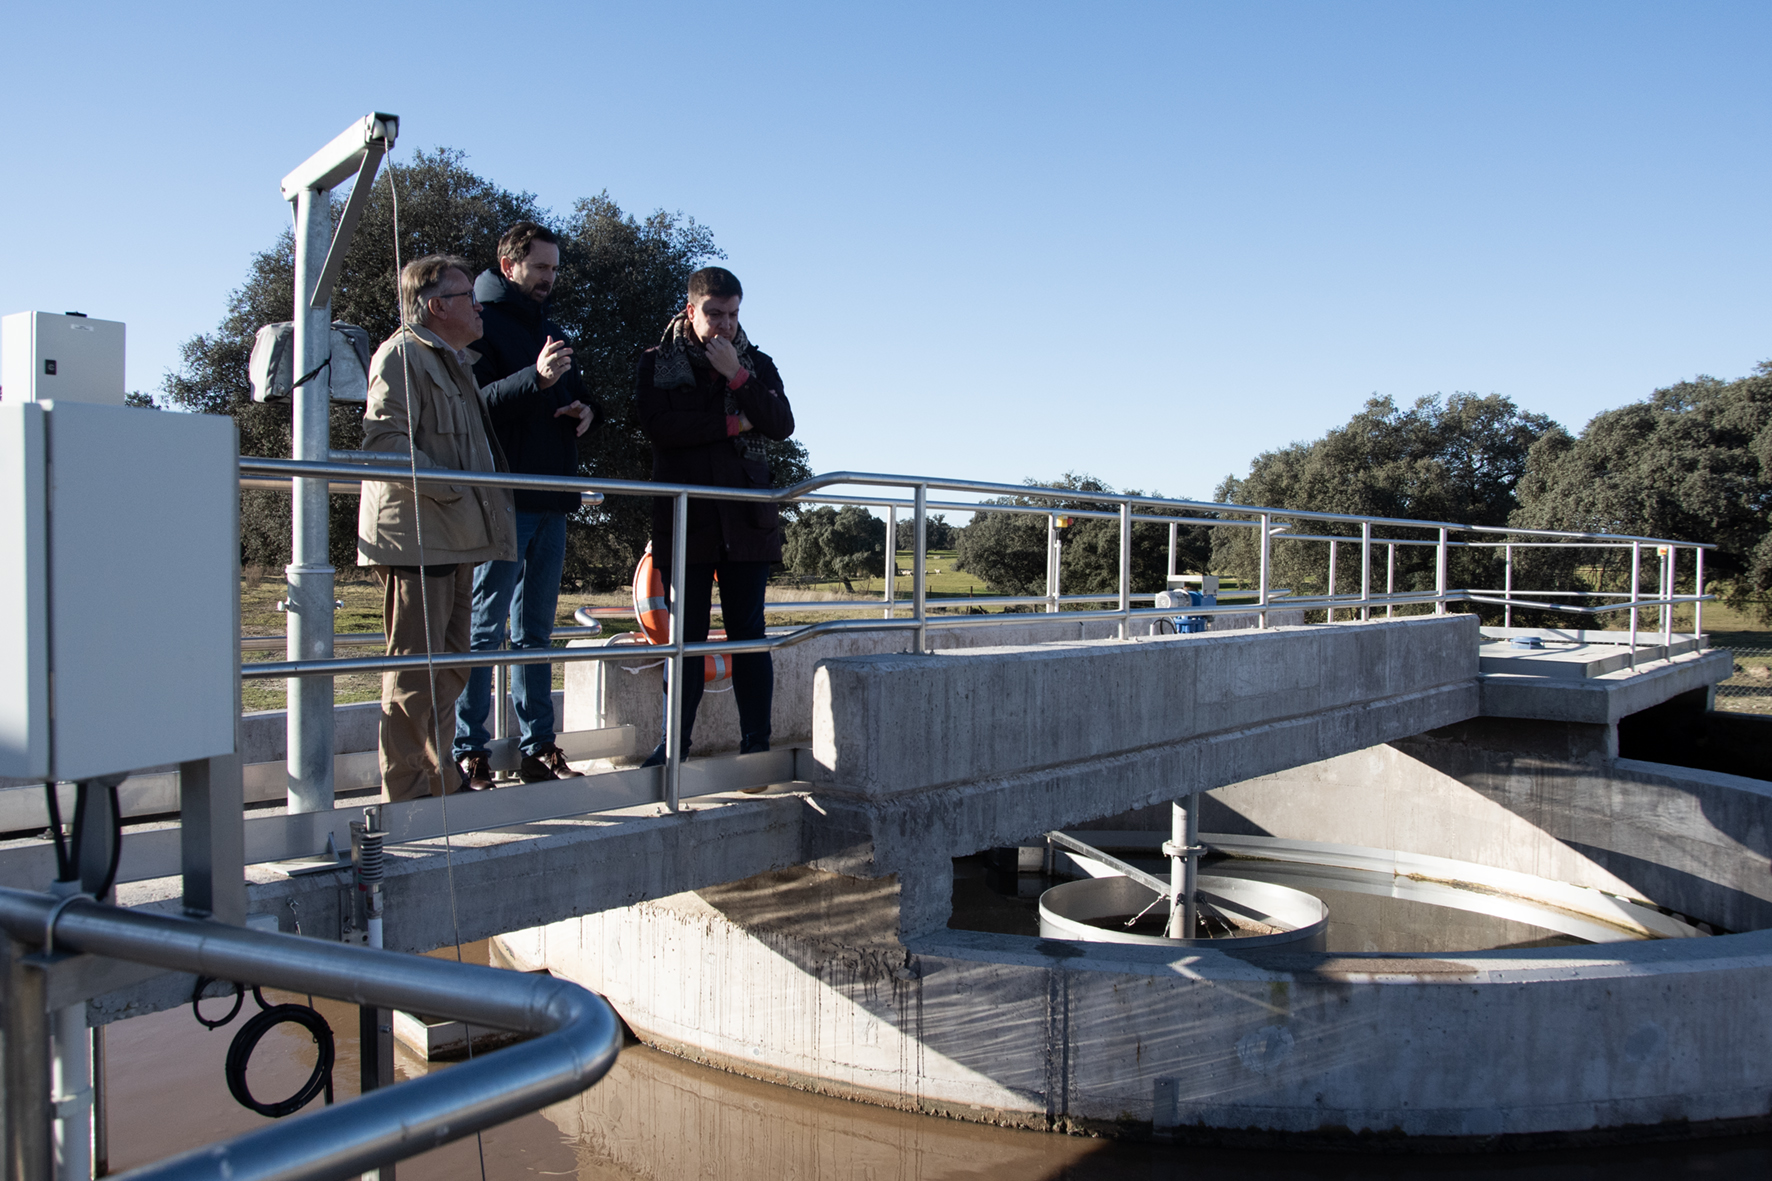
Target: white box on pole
x=44, y=355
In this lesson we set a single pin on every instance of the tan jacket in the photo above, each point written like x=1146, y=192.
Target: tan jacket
x=459, y=523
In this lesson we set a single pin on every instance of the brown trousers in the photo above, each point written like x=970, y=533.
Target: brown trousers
x=417, y=728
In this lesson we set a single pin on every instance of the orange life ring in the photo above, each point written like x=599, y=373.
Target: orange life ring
x=653, y=611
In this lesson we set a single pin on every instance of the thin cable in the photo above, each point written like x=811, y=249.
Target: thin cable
x=424, y=601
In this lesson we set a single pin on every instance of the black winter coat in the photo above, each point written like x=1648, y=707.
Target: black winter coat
x=522, y=413
x=690, y=446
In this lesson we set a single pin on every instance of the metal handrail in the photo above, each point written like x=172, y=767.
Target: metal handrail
x=577, y=1039
x=1011, y=498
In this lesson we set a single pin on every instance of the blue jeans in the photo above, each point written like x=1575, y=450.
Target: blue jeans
x=523, y=593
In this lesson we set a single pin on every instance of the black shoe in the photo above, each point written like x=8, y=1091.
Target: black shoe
x=657, y=757
x=476, y=771
x=547, y=763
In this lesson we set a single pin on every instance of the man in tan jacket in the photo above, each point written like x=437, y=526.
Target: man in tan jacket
x=424, y=549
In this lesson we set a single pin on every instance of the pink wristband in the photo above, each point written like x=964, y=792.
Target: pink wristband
x=743, y=375
x=732, y=426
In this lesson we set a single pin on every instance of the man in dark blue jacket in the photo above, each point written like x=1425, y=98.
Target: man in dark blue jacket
x=538, y=409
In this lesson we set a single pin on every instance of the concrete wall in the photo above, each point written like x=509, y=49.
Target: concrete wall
x=1128, y=1040
x=926, y=758
x=631, y=692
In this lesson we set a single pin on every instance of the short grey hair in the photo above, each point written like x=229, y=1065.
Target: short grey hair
x=421, y=281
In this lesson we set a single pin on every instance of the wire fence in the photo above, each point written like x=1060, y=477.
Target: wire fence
x=1749, y=687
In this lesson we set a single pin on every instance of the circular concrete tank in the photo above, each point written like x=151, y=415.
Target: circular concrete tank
x=804, y=977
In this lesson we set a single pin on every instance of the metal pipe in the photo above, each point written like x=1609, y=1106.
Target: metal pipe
x=1366, y=571
x=501, y=675
x=673, y=765
x=70, y=1086
x=1390, y=579
x=1174, y=533
x=919, y=585
x=1190, y=892
x=1329, y=612
x=578, y=1040
x=1698, y=593
x=26, y=1093
x=1261, y=596
x=1507, y=613
x=1669, y=568
x=310, y=573
x=1126, y=571
x=891, y=559
x=1636, y=574
x=1177, y=872
x=1051, y=563
x=1440, y=575
x=101, y=1122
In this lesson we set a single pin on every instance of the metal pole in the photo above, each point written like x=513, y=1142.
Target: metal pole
x=310, y=573
x=673, y=766
x=1667, y=595
x=919, y=589
x=1390, y=579
x=1174, y=531
x=1440, y=575
x=1051, y=563
x=1636, y=574
x=1329, y=613
x=1177, y=872
x=1698, y=589
x=891, y=556
x=1126, y=570
x=101, y=1127
x=1366, y=570
x=26, y=1092
x=1261, y=586
x=70, y=1081
x=501, y=674
x=1507, y=612
x=375, y=1024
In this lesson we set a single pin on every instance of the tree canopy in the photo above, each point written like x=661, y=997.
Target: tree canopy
x=1692, y=462
x=1008, y=550
x=843, y=543
x=620, y=281
x=1458, y=459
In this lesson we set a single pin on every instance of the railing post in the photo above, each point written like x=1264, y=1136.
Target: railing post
x=1366, y=571
x=1125, y=569
x=1668, y=566
x=891, y=556
x=1636, y=575
x=1698, y=592
x=1440, y=575
x=673, y=764
x=501, y=685
x=1329, y=611
x=1390, y=579
x=919, y=566
x=1267, y=521
x=1051, y=563
x=1174, y=531
x=26, y=1093
x=1507, y=591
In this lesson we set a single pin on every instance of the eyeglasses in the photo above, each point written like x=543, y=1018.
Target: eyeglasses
x=456, y=295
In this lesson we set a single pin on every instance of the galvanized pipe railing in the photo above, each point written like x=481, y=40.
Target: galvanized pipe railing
x=577, y=1039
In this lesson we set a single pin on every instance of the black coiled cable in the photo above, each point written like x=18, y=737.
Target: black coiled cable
x=246, y=1041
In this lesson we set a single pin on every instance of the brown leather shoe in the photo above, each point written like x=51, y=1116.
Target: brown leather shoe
x=476, y=772
x=547, y=763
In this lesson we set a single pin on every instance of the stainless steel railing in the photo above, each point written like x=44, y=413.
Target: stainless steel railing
x=1272, y=526
x=577, y=1037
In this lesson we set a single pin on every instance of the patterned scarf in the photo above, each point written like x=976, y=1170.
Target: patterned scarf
x=680, y=354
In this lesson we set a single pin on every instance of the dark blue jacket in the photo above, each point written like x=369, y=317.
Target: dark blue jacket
x=522, y=413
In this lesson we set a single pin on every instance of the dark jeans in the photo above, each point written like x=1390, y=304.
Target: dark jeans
x=523, y=593
x=753, y=673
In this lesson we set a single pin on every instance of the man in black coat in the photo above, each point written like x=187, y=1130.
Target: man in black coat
x=538, y=410
x=707, y=399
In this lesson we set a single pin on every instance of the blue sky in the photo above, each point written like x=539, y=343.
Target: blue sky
x=1144, y=241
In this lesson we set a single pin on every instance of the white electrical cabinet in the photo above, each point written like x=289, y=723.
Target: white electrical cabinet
x=72, y=358
x=119, y=632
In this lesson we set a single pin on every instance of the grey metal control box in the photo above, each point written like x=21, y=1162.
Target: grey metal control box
x=119, y=625
x=73, y=358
